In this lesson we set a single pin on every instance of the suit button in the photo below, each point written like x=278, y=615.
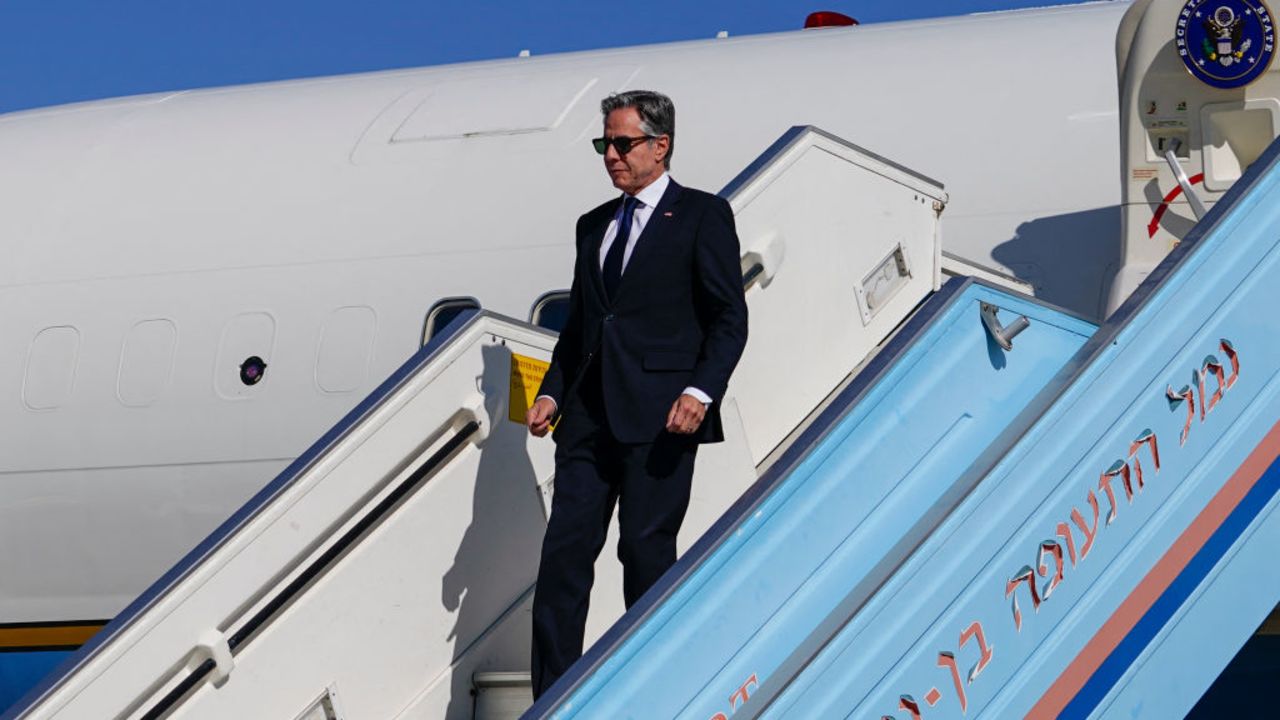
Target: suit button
x=608, y=318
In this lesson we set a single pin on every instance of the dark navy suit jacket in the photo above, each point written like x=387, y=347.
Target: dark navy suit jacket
x=679, y=317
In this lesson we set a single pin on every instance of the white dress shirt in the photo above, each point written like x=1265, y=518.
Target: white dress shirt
x=647, y=199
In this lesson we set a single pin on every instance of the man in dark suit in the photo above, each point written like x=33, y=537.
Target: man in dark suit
x=656, y=324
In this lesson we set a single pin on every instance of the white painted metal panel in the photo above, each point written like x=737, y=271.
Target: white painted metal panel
x=823, y=218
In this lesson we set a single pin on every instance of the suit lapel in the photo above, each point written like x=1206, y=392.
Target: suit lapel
x=594, y=238
x=662, y=216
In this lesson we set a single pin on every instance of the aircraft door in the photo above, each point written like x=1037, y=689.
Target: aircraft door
x=1199, y=102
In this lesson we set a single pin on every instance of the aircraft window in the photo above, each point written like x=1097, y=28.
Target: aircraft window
x=146, y=362
x=551, y=310
x=346, y=349
x=51, y=368
x=443, y=313
x=245, y=355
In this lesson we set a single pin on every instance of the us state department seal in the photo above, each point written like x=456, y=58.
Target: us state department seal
x=1226, y=43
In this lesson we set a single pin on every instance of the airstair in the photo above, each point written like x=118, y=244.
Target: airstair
x=867, y=483
x=388, y=572
x=1103, y=551
x=1005, y=511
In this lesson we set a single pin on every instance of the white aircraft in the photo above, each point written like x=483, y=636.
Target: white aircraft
x=199, y=283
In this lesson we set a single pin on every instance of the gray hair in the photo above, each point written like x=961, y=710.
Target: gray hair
x=657, y=114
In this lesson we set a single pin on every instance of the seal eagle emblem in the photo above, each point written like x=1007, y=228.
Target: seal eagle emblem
x=1225, y=43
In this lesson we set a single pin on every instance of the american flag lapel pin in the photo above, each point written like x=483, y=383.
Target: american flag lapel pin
x=666, y=214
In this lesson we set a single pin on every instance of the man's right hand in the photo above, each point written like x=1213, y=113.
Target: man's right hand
x=538, y=418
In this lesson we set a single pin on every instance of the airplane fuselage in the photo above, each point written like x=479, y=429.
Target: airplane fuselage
x=156, y=245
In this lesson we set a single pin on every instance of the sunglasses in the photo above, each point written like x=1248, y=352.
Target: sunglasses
x=622, y=144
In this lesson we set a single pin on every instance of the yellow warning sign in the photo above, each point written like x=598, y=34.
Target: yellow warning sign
x=526, y=378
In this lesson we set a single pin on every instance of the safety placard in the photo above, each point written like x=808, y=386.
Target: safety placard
x=526, y=378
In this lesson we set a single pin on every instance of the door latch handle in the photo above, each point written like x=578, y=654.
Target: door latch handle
x=1193, y=199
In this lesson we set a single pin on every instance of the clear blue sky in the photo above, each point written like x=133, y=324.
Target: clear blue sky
x=59, y=51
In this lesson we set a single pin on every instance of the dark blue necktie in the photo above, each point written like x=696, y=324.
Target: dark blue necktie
x=613, y=260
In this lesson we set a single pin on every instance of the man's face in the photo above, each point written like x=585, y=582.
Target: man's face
x=641, y=165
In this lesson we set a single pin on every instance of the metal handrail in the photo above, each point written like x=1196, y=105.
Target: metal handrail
x=1193, y=198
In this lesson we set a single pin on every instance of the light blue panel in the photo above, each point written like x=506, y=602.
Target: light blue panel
x=1204, y=636
x=880, y=469
x=905, y=640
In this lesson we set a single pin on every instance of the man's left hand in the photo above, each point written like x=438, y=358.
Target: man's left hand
x=686, y=415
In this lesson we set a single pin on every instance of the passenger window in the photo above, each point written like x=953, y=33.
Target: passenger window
x=443, y=313
x=346, y=349
x=146, y=362
x=551, y=311
x=51, y=367
x=244, y=357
